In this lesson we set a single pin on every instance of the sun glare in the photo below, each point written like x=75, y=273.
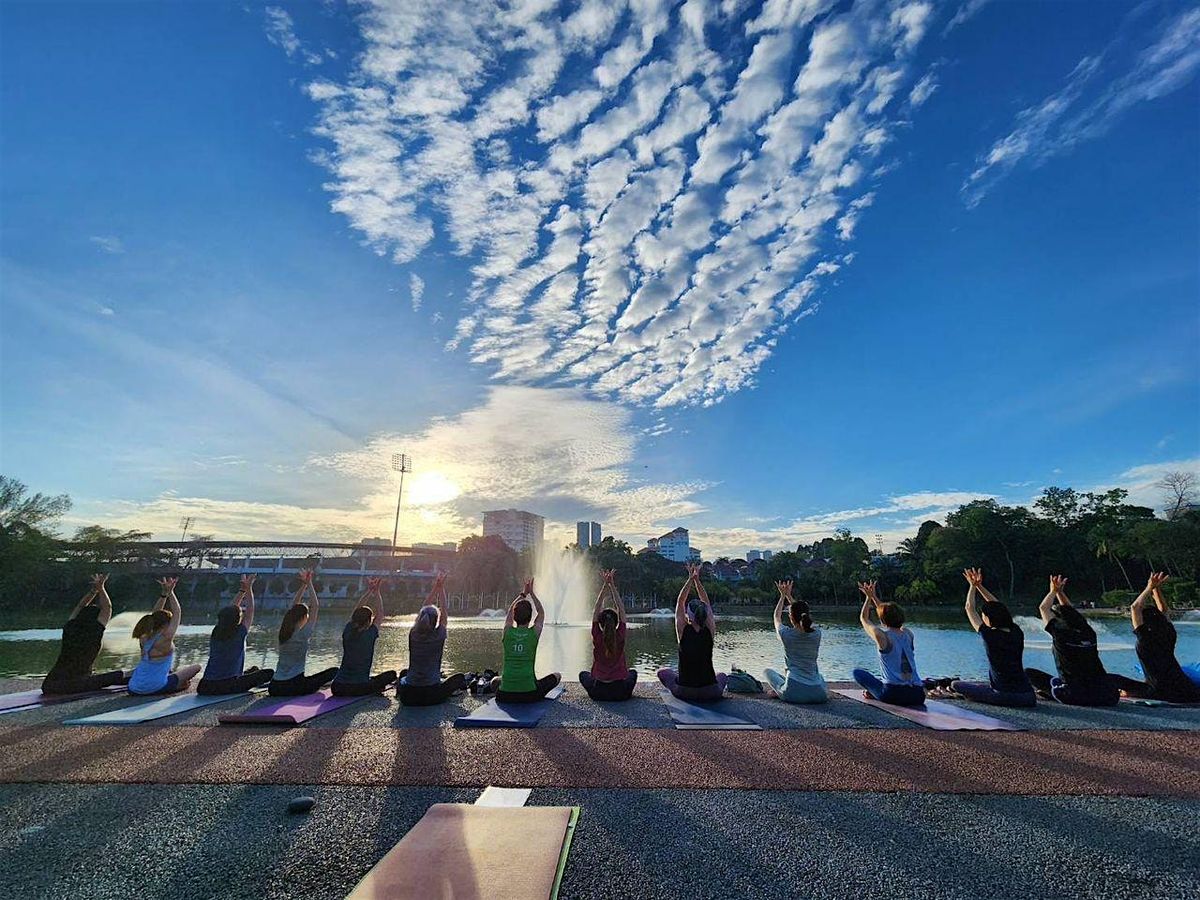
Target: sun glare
x=430, y=489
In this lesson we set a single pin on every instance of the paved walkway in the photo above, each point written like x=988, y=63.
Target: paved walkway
x=837, y=801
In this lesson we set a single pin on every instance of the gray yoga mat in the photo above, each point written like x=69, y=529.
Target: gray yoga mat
x=697, y=717
x=508, y=715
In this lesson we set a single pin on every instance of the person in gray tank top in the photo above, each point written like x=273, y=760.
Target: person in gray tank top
x=294, y=633
x=421, y=684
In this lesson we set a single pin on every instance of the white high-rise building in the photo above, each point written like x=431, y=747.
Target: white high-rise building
x=674, y=545
x=519, y=529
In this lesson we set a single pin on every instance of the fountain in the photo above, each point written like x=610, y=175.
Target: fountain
x=564, y=582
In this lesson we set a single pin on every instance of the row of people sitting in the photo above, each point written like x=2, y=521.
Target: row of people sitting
x=1081, y=679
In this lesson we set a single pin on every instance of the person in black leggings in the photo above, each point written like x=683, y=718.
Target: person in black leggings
x=81, y=638
x=354, y=678
x=226, y=672
x=1165, y=678
x=421, y=684
x=1007, y=683
x=610, y=677
x=295, y=631
x=1081, y=679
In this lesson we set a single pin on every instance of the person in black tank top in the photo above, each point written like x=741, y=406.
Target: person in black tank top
x=695, y=627
x=82, y=635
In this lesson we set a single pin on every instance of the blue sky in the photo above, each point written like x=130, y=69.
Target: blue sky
x=760, y=269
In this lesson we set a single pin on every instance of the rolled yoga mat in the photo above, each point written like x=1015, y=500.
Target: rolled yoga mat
x=158, y=709
x=30, y=699
x=708, y=717
x=290, y=711
x=494, y=714
x=934, y=714
x=476, y=853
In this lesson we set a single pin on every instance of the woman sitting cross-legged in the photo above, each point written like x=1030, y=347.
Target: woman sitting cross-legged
x=354, y=678
x=295, y=631
x=1081, y=679
x=695, y=628
x=610, y=677
x=421, y=683
x=901, y=685
x=801, y=641
x=81, y=638
x=227, y=648
x=517, y=682
x=1165, y=678
x=155, y=632
x=1007, y=683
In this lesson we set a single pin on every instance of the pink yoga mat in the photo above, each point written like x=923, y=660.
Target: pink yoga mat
x=935, y=714
x=26, y=699
x=291, y=710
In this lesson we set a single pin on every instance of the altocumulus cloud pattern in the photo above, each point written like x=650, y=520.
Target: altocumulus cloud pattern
x=646, y=192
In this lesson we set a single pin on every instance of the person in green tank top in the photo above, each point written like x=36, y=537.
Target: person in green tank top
x=518, y=682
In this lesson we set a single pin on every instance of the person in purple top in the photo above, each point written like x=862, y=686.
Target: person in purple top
x=610, y=677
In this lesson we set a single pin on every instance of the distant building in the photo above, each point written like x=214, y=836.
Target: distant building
x=767, y=554
x=444, y=545
x=764, y=555
x=587, y=534
x=674, y=545
x=519, y=529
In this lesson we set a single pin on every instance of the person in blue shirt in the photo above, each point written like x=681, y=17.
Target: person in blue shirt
x=901, y=685
x=354, y=678
x=226, y=672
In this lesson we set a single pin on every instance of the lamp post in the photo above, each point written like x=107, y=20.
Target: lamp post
x=401, y=462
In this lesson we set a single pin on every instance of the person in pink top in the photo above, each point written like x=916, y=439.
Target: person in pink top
x=610, y=678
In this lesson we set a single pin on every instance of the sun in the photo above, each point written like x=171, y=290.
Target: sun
x=430, y=489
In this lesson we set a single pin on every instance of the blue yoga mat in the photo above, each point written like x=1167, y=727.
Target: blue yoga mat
x=508, y=715
x=694, y=717
x=157, y=709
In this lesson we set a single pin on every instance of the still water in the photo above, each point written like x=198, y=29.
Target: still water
x=945, y=645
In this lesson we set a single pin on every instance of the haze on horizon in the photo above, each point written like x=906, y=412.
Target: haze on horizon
x=761, y=269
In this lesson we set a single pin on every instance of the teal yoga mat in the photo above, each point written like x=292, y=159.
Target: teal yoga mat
x=156, y=709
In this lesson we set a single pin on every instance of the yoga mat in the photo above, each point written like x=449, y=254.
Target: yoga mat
x=501, y=796
x=695, y=717
x=934, y=714
x=1150, y=701
x=28, y=699
x=292, y=710
x=158, y=709
x=475, y=853
x=494, y=714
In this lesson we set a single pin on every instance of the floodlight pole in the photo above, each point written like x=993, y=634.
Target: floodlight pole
x=401, y=462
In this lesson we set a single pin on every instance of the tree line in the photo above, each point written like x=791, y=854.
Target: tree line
x=1104, y=543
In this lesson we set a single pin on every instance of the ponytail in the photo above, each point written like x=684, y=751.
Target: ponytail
x=150, y=623
x=608, y=625
x=800, y=617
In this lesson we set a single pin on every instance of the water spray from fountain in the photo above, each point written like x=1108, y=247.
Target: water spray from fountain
x=565, y=582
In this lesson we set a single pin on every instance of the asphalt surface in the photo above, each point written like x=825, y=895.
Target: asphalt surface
x=199, y=842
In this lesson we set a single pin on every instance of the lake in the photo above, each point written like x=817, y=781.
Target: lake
x=945, y=645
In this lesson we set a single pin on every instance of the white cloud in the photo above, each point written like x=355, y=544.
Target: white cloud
x=416, y=289
x=108, y=243
x=967, y=11
x=642, y=216
x=923, y=90
x=1098, y=91
x=281, y=31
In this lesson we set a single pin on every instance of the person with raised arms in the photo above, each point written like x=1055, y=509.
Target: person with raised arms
x=354, y=678
x=901, y=685
x=226, y=672
x=82, y=635
x=295, y=631
x=1081, y=679
x=517, y=682
x=1165, y=678
x=801, y=681
x=155, y=634
x=421, y=684
x=610, y=677
x=1004, y=642
x=695, y=628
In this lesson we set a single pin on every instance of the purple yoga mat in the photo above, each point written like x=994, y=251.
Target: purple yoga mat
x=291, y=710
x=26, y=699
